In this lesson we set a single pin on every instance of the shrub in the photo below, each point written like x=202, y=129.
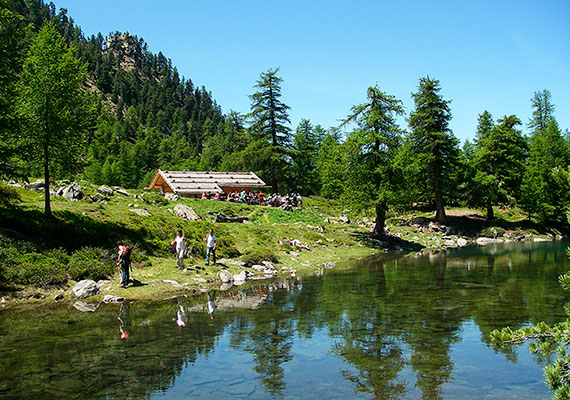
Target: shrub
x=90, y=262
x=258, y=257
x=492, y=231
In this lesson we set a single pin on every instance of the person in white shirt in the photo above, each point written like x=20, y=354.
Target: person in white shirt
x=210, y=247
x=180, y=242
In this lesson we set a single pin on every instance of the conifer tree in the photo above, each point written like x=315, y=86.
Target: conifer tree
x=499, y=163
x=375, y=141
x=540, y=191
x=270, y=119
x=304, y=158
x=432, y=146
x=53, y=107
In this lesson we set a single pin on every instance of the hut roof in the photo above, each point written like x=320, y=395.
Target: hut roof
x=211, y=182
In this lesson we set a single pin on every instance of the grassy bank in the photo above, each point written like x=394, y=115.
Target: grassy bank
x=42, y=257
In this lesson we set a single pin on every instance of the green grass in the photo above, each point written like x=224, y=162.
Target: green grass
x=80, y=242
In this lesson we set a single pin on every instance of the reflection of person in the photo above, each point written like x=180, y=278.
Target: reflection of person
x=124, y=259
x=211, y=306
x=180, y=316
x=180, y=242
x=122, y=325
x=210, y=247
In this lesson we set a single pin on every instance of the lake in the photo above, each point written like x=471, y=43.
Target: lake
x=387, y=327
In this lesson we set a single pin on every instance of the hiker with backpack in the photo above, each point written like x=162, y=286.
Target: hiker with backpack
x=124, y=259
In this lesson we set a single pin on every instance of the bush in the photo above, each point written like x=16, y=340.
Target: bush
x=492, y=231
x=259, y=257
x=90, y=262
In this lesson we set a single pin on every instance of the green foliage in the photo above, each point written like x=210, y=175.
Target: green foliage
x=259, y=257
x=270, y=119
x=498, y=160
x=8, y=196
x=52, y=106
x=431, y=150
x=90, y=262
x=492, y=231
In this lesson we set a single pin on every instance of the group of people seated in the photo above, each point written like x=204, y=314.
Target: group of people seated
x=287, y=202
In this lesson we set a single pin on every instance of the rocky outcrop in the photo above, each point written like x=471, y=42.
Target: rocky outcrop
x=84, y=289
x=98, y=198
x=141, y=212
x=183, y=211
x=73, y=192
x=106, y=191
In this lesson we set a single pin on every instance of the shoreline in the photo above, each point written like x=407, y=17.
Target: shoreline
x=196, y=279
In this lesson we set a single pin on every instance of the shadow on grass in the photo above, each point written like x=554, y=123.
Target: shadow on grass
x=387, y=242
x=472, y=226
x=68, y=230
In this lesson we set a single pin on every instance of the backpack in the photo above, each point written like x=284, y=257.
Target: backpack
x=126, y=252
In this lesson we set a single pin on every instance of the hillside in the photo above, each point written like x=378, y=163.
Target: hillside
x=50, y=255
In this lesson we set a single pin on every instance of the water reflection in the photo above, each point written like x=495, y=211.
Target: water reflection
x=380, y=328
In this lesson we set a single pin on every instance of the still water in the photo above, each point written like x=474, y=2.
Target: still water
x=384, y=328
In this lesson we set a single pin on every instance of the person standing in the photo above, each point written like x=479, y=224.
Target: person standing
x=124, y=259
x=180, y=243
x=210, y=247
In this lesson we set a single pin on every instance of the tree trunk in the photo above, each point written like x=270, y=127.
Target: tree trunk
x=380, y=217
x=490, y=213
x=439, y=207
x=47, y=209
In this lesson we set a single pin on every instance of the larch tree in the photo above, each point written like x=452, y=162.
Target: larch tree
x=499, y=159
x=433, y=149
x=53, y=107
x=269, y=124
x=304, y=158
x=376, y=140
x=548, y=151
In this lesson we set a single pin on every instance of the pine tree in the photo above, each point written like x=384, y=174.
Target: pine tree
x=432, y=145
x=270, y=119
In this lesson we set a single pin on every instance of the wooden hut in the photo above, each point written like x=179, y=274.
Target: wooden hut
x=194, y=183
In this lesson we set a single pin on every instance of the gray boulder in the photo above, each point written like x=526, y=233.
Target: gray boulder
x=106, y=191
x=123, y=192
x=98, y=198
x=141, y=212
x=73, y=192
x=183, y=211
x=240, y=278
x=84, y=289
x=225, y=277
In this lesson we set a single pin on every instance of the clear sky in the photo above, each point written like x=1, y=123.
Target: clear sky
x=488, y=54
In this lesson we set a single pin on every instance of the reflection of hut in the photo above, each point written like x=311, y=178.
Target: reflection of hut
x=194, y=183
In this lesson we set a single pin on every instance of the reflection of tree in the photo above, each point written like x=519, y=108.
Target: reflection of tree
x=388, y=319
x=368, y=328
x=268, y=336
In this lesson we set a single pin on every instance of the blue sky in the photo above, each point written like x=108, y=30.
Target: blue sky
x=488, y=55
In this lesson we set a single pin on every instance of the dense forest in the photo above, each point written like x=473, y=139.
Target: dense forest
x=108, y=110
